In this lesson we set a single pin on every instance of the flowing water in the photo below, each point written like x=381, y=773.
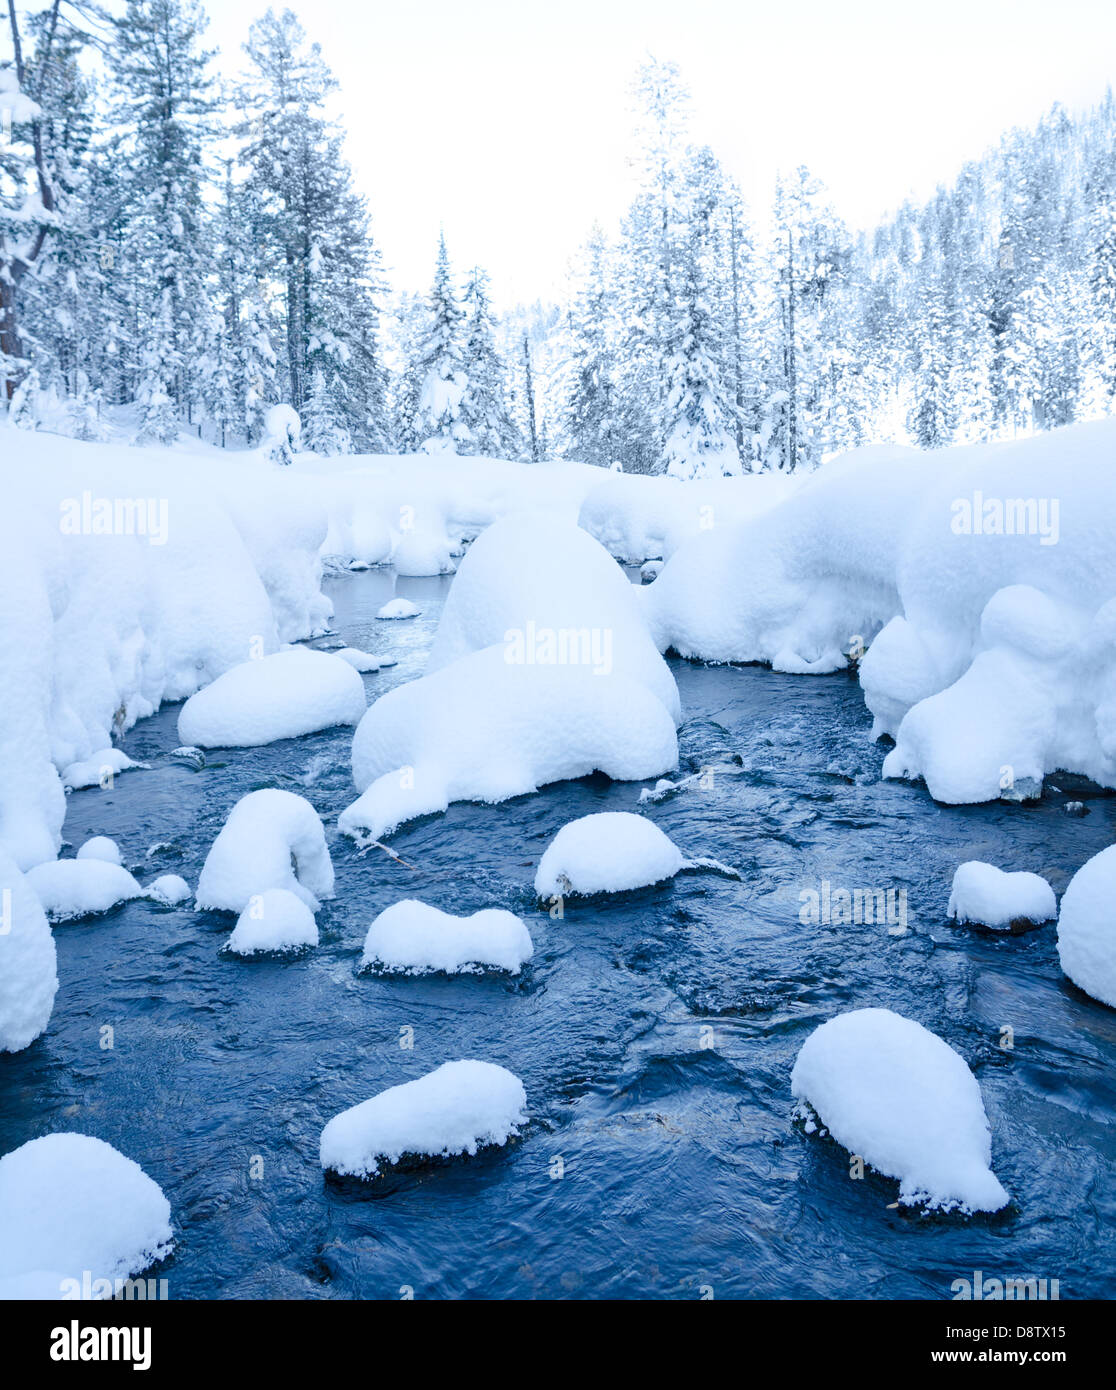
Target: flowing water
x=655, y=1033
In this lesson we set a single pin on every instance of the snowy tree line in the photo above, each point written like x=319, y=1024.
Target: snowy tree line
x=194, y=253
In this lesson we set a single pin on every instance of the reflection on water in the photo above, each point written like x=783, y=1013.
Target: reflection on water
x=655, y=1034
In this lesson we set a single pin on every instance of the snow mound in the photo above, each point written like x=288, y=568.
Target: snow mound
x=284, y=695
x=1087, y=927
x=987, y=895
x=72, y=888
x=101, y=847
x=69, y=1204
x=97, y=770
x=399, y=608
x=453, y=1110
x=895, y=1094
x=554, y=598
x=481, y=729
x=276, y=920
x=28, y=962
x=169, y=889
x=412, y=938
x=272, y=839
x=363, y=661
x=611, y=852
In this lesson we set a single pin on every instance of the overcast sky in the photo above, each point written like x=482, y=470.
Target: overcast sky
x=508, y=122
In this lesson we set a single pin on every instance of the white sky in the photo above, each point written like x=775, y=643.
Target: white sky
x=508, y=122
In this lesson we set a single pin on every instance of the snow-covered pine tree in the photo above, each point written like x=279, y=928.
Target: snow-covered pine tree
x=484, y=407
x=439, y=420
x=590, y=415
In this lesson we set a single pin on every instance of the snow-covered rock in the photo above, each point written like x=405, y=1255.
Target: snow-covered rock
x=276, y=920
x=399, y=608
x=1087, y=927
x=363, y=661
x=455, y=1109
x=553, y=597
x=70, y=1205
x=284, y=695
x=72, y=888
x=987, y=895
x=482, y=729
x=28, y=962
x=895, y=1094
x=411, y=937
x=101, y=847
x=610, y=852
x=169, y=889
x=98, y=770
x=272, y=839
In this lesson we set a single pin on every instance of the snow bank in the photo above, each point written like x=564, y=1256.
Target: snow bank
x=987, y=895
x=412, y=938
x=1087, y=927
x=483, y=730
x=272, y=839
x=640, y=518
x=72, y=888
x=71, y=1204
x=981, y=579
x=453, y=1110
x=610, y=852
x=894, y=1093
x=28, y=963
x=276, y=920
x=285, y=695
x=131, y=576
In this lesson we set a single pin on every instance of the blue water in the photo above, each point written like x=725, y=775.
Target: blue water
x=655, y=1033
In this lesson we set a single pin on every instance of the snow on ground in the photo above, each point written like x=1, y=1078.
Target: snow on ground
x=982, y=580
x=276, y=920
x=28, y=962
x=70, y=1205
x=895, y=1094
x=1087, y=927
x=98, y=770
x=292, y=692
x=987, y=895
x=610, y=852
x=73, y=888
x=413, y=938
x=272, y=839
x=453, y=1110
